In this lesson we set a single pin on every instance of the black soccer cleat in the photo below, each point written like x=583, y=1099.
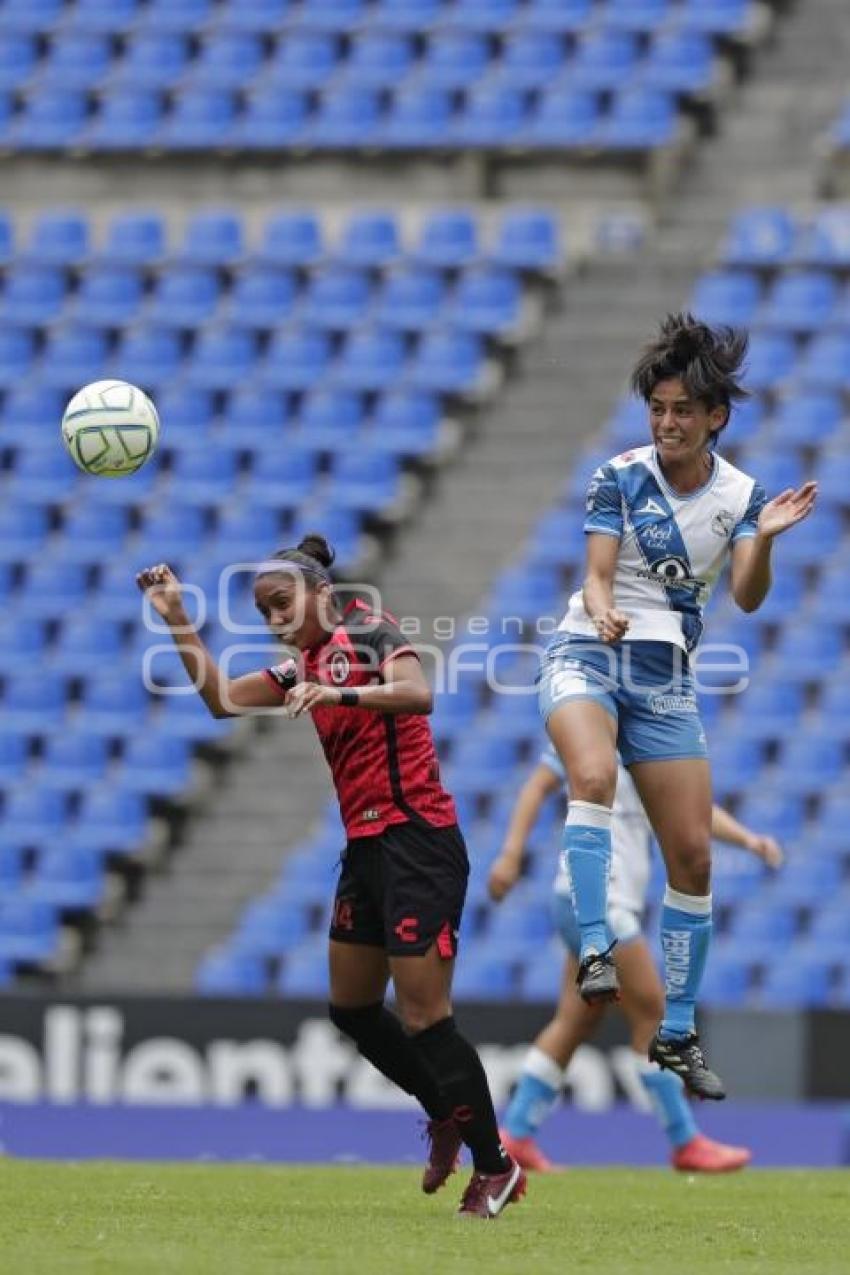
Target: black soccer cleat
x=597, y=978
x=686, y=1059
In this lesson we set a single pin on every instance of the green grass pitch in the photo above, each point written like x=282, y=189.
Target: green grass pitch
x=151, y=1219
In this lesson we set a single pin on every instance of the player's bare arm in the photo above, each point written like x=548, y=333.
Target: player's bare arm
x=751, y=571
x=602, y=551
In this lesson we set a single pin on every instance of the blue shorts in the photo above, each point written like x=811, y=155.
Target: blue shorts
x=624, y=926
x=647, y=687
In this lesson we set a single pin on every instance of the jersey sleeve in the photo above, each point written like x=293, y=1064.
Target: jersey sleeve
x=603, y=504
x=282, y=677
x=381, y=642
x=550, y=759
x=746, y=528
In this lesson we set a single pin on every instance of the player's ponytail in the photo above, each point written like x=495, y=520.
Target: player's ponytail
x=316, y=547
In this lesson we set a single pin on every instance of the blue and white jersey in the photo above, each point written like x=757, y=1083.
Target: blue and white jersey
x=631, y=843
x=672, y=547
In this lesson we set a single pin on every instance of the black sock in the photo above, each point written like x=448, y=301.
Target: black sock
x=381, y=1039
x=463, y=1081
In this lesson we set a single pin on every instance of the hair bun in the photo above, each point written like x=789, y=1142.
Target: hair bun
x=316, y=547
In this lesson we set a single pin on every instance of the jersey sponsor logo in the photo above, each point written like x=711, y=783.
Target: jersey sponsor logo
x=661, y=705
x=285, y=674
x=339, y=668
x=672, y=571
x=722, y=524
x=659, y=534
x=408, y=929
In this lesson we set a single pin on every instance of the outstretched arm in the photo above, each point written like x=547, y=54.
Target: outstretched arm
x=506, y=870
x=403, y=689
x=751, y=574
x=726, y=828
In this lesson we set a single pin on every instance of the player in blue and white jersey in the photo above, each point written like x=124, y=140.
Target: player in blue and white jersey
x=662, y=522
x=574, y=1021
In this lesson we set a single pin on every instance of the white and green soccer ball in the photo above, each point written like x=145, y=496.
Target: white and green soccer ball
x=110, y=428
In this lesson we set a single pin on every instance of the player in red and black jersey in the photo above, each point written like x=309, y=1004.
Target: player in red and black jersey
x=402, y=885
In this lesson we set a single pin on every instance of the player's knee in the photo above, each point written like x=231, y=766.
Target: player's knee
x=417, y=1016
x=355, y=1023
x=691, y=870
x=595, y=783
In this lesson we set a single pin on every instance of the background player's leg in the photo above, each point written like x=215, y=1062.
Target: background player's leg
x=677, y=798
x=423, y=992
x=585, y=736
x=359, y=976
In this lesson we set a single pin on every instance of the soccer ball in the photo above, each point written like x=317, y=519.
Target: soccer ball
x=110, y=428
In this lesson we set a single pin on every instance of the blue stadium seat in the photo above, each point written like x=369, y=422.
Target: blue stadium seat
x=558, y=538
x=483, y=975
x=23, y=530
x=108, y=296
x=184, y=296
x=759, y=238
x=561, y=16
x=292, y=239
x=228, y=60
x=7, y=227
x=51, y=590
x=640, y=118
x=112, y=704
x=773, y=813
x=29, y=933
x=134, y=239
x=486, y=301
x=481, y=15
x=418, y=117
x=176, y=15
x=258, y=16
x=759, y=921
x=285, y=479
x=807, y=419
x=152, y=61
x=640, y=16
x=493, y=116
x=411, y=299
x=346, y=117
x=564, y=117
x=73, y=760
x=407, y=422
x=529, y=60
x=602, y=60
x=255, y=413
x=155, y=764
x=116, y=595
x=16, y=654
x=767, y=711
x=799, y=301
x=679, y=62
x=224, y=972
x=735, y=764
x=33, y=295
x=38, y=17
x=247, y=531
x=825, y=240
x=330, y=419
x=187, y=717
x=454, y=60
x=726, y=296
x=202, y=475
x=128, y=119
x=68, y=880
x=303, y=60
x=824, y=362
x=296, y=360
x=448, y=239
x=7, y=114
x=371, y=240
x=273, y=117
x=110, y=820
x=76, y=61
x=543, y=975
x=341, y=526
x=31, y=704
x=719, y=17
x=448, y=362
x=222, y=356
x=798, y=980
x=59, y=237
x=149, y=356
x=371, y=360
x=333, y=15
x=305, y=972
x=364, y=480
x=825, y=527
x=110, y=17
x=726, y=980
x=528, y=239
x=270, y=926
x=14, y=757
x=34, y=815
x=18, y=58
x=412, y=16
x=86, y=643
x=829, y=925
x=804, y=654
x=378, y=60
x=72, y=356
x=809, y=761
x=336, y=299
x=51, y=119
x=771, y=359
x=199, y=118
x=262, y=297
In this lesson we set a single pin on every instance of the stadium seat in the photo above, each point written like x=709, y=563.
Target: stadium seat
x=371, y=360
x=825, y=240
x=147, y=355
x=222, y=356
x=254, y=414
x=799, y=302
x=679, y=62
x=412, y=16
x=224, y=972
x=602, y=60
x=333, y=15
x=807, y=419
x=180, y=529
x=371, y=240
x=484, y=975
x=202, y=475
x=34, y=815
x=560, y=16
x=18, y=58
x=44, y=476
x=486, y=301
x=68, y=880
x=292, y=239
x=305, y=972
x=248, y=530
x=448, y=239
x=364, y=480
x=33, y=295
x=154, y=764
x=492, y=117
x=810, y=761
x=329, y=420
x=72, y=356
x=336, y=299
x=718, y=17
x=529, y=61
x=257, y=16
x=481, y=15
x=296, y=360
x=27, y=409
x=448, y=362
x=176, y=15
x=21, y=644
x=76, y=61
x=796, y=980
x=411, y=299
x=14, y=759
x=23, y=529
x=73, y=760
x=804, y=654
x=226, y=60
x=199, y=119
x=726, y=296
x=51, y=590
x=109, y=820
x=134, y=239
x=407, y=422
x=36, y=18
x=824, y=361
x=274, y=117
x=726, y=979
x=110, y=17
x=86, y=643
x=153, y=62
x=107, y=296
x=640, y=118
x=51, y=119
x=285, y=479
x=454, y=60
x=419, y=117
x=760, y=238
x=346, y=117
x=111, y=704
x=29, y=934
x=31, y=704
x=270, y=927
x=378, y=60
x=527, y=239
x=303, y=60
x=184, y=296
x=564, y=117
x=640, y=16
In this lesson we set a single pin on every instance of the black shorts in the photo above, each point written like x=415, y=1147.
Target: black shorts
x=403, y=890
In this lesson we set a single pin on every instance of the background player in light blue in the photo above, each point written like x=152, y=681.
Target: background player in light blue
x=574, y=1021
x=662, y=522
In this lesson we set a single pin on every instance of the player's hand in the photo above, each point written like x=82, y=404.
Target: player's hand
x=787, y=509
x=611, y=625
x=504, y=875
x=162, y=589
x=306, y=696
x=767, y=848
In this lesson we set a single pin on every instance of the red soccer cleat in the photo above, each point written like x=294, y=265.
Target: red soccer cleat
x=488, y=1193
x=526, y=1153
x=444, y=1147
x=702, y=1155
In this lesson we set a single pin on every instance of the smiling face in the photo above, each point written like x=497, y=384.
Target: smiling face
x=297, y=613
x=681, y=425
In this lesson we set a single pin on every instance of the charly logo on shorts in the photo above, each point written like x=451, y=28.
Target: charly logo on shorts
x=722, y=523
x=663, y=704
x=339, y=668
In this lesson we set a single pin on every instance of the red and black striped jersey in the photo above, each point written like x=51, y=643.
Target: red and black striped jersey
x=384, y=765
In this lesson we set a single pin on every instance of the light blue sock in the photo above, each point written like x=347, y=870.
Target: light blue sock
x=667, y=1095
x=535, y=1096
x=587, y=847
x=685, y=937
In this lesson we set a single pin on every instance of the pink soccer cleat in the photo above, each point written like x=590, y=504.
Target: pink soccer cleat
x=702, y=1155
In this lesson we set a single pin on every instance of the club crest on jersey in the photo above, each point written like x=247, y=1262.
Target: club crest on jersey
x=722, y=523
x=339, y=668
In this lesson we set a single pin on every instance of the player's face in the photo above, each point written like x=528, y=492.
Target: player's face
x=681, y=426
x=293, y=611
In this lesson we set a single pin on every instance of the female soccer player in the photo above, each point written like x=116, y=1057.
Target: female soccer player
x=642, y=1001
x=662, y=521
x=401, y=890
